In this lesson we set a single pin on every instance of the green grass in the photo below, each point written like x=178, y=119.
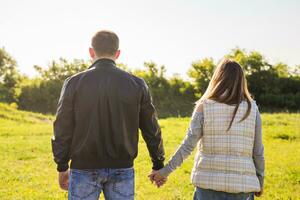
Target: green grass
x=27, y=170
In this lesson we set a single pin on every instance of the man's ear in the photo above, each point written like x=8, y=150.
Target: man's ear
x=92, y=52
x=118, y=54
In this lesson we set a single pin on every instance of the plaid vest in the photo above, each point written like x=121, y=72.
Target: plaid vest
x=224, y=159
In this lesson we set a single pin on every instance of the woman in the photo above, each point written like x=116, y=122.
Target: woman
x=229, y=163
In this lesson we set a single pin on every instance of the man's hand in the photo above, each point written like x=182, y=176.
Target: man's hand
x=157, y=178
x=258, y=194
x=63, y=180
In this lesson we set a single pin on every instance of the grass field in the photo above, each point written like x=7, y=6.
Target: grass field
x=27, y=170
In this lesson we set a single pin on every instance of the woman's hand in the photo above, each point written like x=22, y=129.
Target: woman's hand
x=157, y=178
x=258, y=194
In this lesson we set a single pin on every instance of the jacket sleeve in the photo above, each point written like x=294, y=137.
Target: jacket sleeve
x=151, y=131
x=63, y=128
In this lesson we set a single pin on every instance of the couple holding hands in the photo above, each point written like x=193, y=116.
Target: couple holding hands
x=101, y=110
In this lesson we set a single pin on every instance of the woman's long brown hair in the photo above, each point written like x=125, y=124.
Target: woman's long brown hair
x=228, y=85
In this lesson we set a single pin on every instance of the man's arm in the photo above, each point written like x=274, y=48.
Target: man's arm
x=63, y=128
x=151, y=130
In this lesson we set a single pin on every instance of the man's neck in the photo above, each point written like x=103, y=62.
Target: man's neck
x=107, y=57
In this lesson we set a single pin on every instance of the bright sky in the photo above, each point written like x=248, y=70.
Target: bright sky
x=173, y=33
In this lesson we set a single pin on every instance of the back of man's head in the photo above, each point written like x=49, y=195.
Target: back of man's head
x=105, y=43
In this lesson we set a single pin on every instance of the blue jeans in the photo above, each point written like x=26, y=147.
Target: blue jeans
x=116, y=184
x=206, y=194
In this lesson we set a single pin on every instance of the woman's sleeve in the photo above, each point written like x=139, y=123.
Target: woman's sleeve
x=258, y=151
x=194, y=134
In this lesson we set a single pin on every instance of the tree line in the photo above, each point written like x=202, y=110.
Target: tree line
x=275, y=87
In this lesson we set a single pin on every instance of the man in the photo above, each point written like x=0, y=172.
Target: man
x=99, y=113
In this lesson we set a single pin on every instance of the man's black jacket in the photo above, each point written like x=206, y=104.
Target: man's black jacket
x=99, y=113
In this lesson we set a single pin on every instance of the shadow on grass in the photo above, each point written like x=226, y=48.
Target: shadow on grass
x=284, y=136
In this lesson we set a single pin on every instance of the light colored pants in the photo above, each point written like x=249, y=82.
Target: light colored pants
x=205, y=194
x=116, y=184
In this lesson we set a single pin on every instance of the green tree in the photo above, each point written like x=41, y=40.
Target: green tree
x=282, y=70
x=182, y=96
x=295, y=72
x=9, y=77
x=41, y=95
x=61, y=69
x=158, y=84
x=201, y=73
x=252, y=61
x=273, y=86
x=171, y=97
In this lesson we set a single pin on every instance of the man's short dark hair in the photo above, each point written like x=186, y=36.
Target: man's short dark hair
x=105, y=43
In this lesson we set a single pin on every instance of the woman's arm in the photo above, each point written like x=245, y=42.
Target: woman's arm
x=258, y=151
x=194, y=134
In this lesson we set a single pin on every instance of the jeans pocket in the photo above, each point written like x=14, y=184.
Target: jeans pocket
x=124, y=182
x=83, y=183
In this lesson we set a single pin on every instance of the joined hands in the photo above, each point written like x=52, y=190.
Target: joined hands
x=156, y=178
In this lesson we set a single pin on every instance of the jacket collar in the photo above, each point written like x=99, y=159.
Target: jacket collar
x=103, y=62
